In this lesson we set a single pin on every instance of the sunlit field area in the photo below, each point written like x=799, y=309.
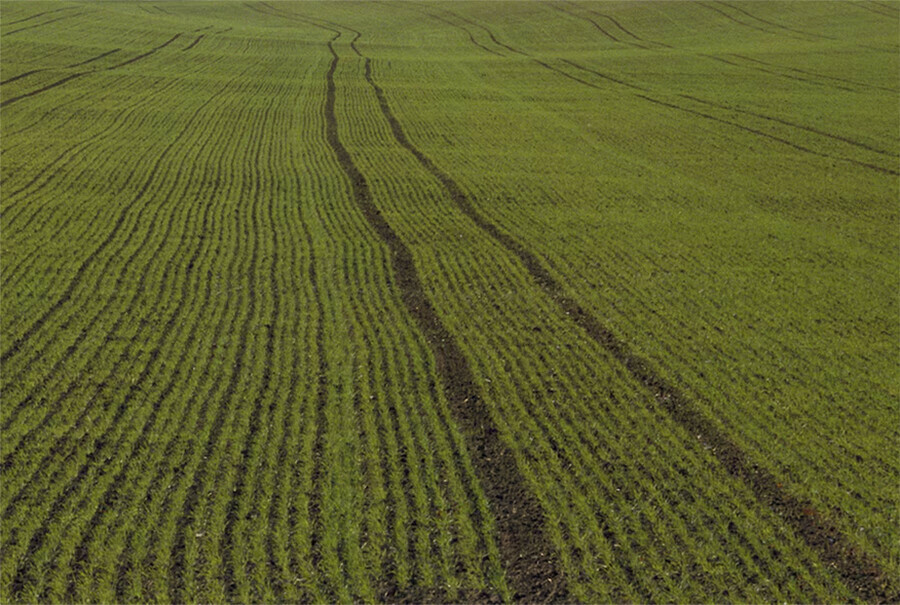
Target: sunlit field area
x=449, y=302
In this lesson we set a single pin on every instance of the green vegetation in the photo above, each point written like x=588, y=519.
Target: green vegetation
x=449, y=301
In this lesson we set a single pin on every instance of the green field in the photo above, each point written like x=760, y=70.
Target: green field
x=450, y=301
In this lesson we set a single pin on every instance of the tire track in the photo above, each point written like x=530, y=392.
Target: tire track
x=468, y=33
x=856, y=568
x=870, y=7
x=772, y=23
x=818, y=131
x=618, y=24
x=739, y=22
x=67, y=8
x=817, y=75
x=193, y=44
x=72, y=66
x=517, y=513
x=21, y=29
x=685, y=109
x=71, y=77
x=713, y=57
x=596, y=25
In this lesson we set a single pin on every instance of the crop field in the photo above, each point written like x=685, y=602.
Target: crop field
x=450, y=302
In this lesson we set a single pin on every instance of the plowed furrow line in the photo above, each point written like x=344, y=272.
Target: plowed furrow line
x=300, y=516
x=317, y=451
x=857, y=569
x=129, y=579
x=73, y=382
x=128, y=118
x=516, y=511
x=113, y=493
x=277, y=546
x=117, y=492
x=22, y=445
x=235, y=585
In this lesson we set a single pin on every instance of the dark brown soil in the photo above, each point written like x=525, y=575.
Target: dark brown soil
x=529, y=558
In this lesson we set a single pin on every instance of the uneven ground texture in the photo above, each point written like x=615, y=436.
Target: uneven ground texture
x=416, y=301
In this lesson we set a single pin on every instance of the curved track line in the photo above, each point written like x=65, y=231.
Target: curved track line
x=73, y=65
x=823, y=133
x=21, y=29
x=529, y=564
x=194, y=43
x=67, y=8
x=858, y=570
x=815, y=74
x=79, y=273
x=84, y=73
x=771, y=23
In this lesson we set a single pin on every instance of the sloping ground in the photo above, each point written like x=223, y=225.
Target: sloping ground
x=449, y=302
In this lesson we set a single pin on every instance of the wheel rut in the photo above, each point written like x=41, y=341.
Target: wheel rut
x=857, y=569
x=531, y=568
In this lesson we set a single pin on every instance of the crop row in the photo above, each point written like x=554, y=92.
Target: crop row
x=292, y=313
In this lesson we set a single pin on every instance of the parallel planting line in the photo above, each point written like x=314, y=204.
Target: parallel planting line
x=771, y=23
x=84, y=73
x=21, y=29
x=516, y=511
x=87, y=262
x=857, y=569
x=38, y=15
x=80, y=63
x=670, y=105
